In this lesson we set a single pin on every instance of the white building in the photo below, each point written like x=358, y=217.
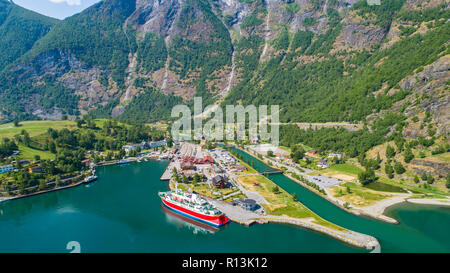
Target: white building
x=336, y=155
x=6, y=168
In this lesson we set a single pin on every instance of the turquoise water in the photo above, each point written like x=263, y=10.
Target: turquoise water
x=121, y=212
x=421, y=229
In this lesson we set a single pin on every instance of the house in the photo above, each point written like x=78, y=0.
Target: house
x=86, y=162
x=217, y=170
x=6, y=168
x=336, y=155
x=155, y=144
x=313, y=152
x=35, y=169
x=219, y=181
x=247, y=204
x=187, y=165
x=323, y=164
x=237, y=168
x=129, y=148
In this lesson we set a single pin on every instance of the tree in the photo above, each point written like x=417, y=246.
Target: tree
x=16, y=123
x=52, y=147
x=170, y=142
x=416, y=179
x=57, y=181
x=398, y=167
x=367, y=176
x=26, y=139
x=196, y=178
x=447, y=184
x=275, y=189
x=37, y=158
x=185, y=179
x=430, y=179
x=408, y=156
x=424, y=176
x=389, y=170
x=390, y=152
x=42, y=185
x=294, y=196
x=270, y=153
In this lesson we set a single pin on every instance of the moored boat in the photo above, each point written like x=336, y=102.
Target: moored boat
x=123, y=162
x=90, y=179
x=193, y=206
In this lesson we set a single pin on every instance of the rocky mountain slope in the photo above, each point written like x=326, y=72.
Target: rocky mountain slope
x=321, y=60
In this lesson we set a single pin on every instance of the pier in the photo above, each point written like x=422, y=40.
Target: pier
x=167, y=175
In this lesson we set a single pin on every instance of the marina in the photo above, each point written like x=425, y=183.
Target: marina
x=103, y=218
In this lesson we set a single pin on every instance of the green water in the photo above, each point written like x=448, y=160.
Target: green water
x=121, y=212
x=421, y=229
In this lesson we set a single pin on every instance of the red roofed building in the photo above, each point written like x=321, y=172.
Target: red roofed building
x=35, y=169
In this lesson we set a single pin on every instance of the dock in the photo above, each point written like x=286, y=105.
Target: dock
x=167, y=175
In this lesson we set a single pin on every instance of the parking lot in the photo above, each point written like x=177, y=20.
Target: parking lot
x=323, y=182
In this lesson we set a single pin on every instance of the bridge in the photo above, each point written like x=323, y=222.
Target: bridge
x=270, y=171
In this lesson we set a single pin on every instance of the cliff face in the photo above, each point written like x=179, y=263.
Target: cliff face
x=110, y=56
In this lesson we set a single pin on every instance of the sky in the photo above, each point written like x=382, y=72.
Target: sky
x=56, y=8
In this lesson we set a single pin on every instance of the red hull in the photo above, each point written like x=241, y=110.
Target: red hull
x=212, y=220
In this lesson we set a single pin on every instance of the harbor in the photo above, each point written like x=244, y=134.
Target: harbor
x=191, y=159
x=140, y=224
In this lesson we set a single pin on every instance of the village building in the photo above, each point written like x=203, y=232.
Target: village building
x=247, y=204
x=237, y=168
x=313, y=152
x=6, y=168
x=219, y=181
x=323, y=164
x=336, y=155
x=35, y=169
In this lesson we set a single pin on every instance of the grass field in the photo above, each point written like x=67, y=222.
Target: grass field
x=34, y=128
x=280, y=203
x=357, y=195
x=29, y=153
x=346, y=172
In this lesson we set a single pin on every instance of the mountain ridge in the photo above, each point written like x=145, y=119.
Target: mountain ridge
x=320, y=60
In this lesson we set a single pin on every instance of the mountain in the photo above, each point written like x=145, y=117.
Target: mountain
x=19, y=30
x=320, y=60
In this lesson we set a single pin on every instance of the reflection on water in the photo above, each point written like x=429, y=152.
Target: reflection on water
x=185, y=222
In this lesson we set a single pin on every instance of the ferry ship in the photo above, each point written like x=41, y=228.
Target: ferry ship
x=193, y=206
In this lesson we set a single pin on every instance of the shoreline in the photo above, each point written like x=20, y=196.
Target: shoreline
x=375, y=211
x=432, y=202
x=4, y=199
x=76, y=184
x=348, y=236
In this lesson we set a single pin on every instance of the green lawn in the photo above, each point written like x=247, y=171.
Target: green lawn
x=29, y=153
x=357, y=195
x=33, y=128
x=346, y=168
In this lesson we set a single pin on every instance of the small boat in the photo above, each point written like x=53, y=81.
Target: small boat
x=90, y=179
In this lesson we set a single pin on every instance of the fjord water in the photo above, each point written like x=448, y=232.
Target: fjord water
x=121, y=212
x=422, y=228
